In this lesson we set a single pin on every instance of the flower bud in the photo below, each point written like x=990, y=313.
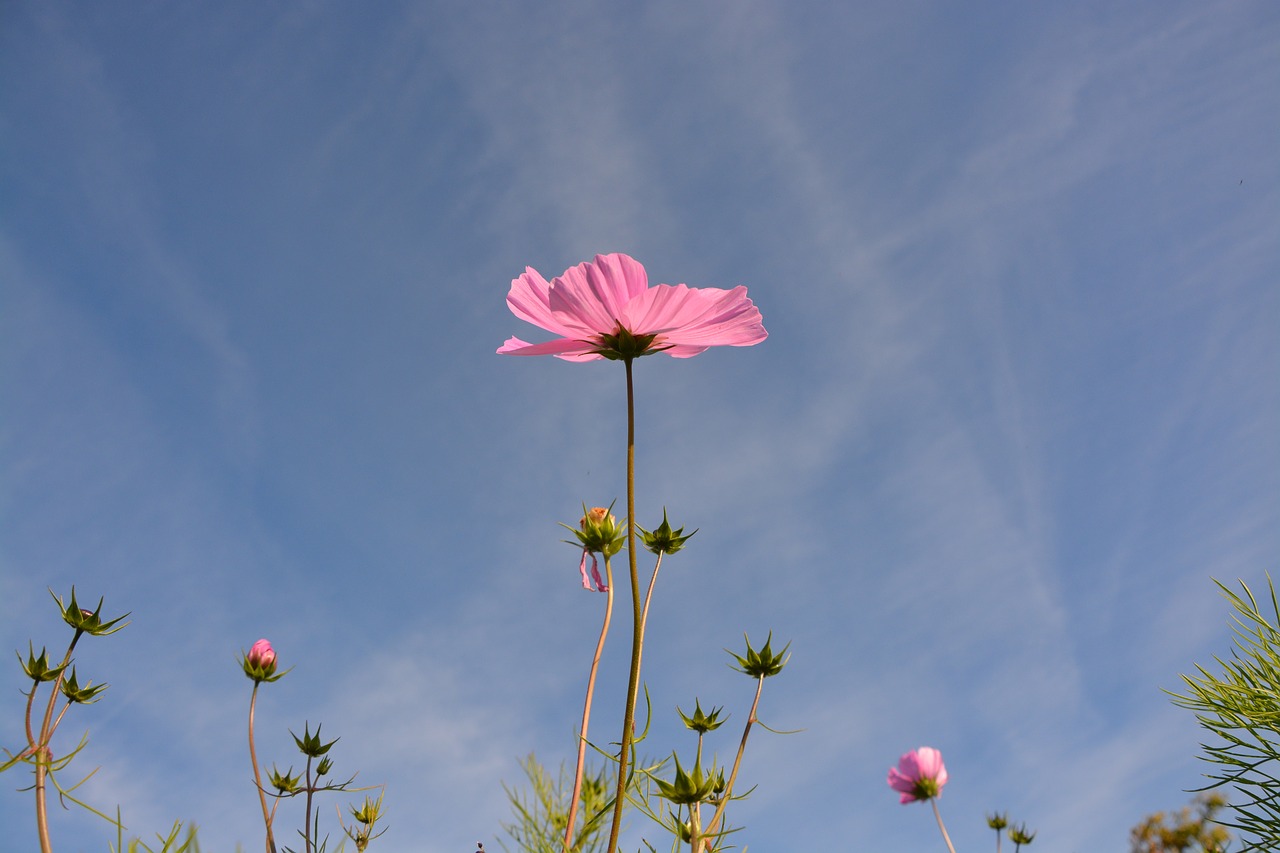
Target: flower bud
x=285, y=783
x=309, y=744
x=663, y=539
x=86, y=695
x=87, y=621
x=38, y=668
x=702, y=722
x=1019, y=835
x=763, y=663
x=599, y=531
x=260, y=663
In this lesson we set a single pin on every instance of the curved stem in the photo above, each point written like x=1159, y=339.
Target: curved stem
x=637, y=633
x=716, y=818
x=644, y=614
x=947, y=838
x=586, y=709
x=257, y=775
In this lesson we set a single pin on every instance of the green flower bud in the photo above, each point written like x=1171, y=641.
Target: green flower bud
x=369, y=812
x=599, y=532
x=285, y=783
x=998, y=821
x=1019, y=835
x=86, y=695
x=87, y=621
x=310, y=744
x=662, y=539
x=37, y=668
x=764, y=663
x=700, y=722
x=325, y=765
x=689, y=788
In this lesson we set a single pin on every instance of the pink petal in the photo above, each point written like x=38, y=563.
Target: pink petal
x=582, y=567
x=696, y=317
x=569, y=350
x=529, y=299
x=595, y=576
x=590, y=297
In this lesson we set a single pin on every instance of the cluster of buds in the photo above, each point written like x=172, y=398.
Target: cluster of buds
x=1019, y=834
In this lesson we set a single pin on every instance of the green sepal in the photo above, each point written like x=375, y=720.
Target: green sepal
x=285, y=783
x=86, y=695
x=310, y=744
x=764, y=663
x=701, y=722
x=37, y=668
x=688, y=788
x=662, y=539
x=85, y=621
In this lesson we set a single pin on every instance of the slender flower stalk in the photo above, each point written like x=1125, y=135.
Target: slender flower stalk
x=580, y=768
x=933, y=801
x=718, y=816
x=637, y=633
x=267, y=814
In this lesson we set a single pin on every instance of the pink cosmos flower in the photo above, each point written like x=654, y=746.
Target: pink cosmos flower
x=919, y=775
x=606, y=309
x=261, y=655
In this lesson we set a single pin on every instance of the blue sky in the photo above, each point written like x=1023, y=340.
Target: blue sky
x=1019, y=402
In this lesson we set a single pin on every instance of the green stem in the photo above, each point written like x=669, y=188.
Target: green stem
x=716, y=818
x=586, y=710
x=637, y=633
x=44, y=755
x=257, y=774
x=310, y=792
x=947, y=838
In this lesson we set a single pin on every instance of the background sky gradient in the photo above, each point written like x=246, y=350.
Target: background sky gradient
x=1019, y=403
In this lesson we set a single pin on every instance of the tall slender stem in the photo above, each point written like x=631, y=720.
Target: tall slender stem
x=586, y=709
x=311, y=789
x=937, y=814
x=257, y=774
x=637, y=633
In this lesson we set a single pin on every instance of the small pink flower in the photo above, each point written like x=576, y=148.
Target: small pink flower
x=606, y=309
x=261, y=655
x=919, y=775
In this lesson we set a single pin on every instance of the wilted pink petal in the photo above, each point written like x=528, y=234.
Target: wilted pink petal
x=593, y=582
x=920, y=775
x=595, y=576
x=593, y=304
